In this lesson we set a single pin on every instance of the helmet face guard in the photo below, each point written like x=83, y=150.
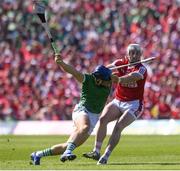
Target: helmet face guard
x=134, y=52
x=103, y=73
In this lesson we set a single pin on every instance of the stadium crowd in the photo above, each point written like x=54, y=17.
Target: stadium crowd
x=88, y=32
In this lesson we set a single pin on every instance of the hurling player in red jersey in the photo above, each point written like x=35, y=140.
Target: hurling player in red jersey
x=126, y=107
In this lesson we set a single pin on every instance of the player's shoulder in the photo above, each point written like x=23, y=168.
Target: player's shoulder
x=140, y=65
x=88, y=75
x=120, y=61
x=142, y=69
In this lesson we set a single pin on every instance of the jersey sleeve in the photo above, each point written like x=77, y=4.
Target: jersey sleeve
x=142, y=70
x=117, y=62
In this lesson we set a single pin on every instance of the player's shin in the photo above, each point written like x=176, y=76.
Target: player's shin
x=59, y=148
x=45, y=152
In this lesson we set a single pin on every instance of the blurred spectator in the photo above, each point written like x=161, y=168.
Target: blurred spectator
x=97, y=31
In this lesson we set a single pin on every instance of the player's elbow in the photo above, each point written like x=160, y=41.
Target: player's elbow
x=114, y=78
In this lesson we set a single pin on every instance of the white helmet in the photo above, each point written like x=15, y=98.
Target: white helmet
x=134, y=52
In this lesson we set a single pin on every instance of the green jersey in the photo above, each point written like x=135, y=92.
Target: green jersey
x=93, y=97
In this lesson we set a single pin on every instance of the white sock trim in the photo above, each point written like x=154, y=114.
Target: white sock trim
x=97, y=147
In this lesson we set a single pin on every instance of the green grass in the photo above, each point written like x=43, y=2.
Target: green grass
x=133, y=152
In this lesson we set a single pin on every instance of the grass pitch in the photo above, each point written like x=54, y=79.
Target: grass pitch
x=133, y=152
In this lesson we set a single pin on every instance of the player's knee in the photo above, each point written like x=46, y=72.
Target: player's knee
x=103, y=120
x=84, y=129
x=64, y=146
x=119, y=128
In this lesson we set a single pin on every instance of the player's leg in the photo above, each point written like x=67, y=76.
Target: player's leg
x=78, y=137
x=54, y=150
x=126, y=119
x=110, y=113
x=58, y=148
x=85, y=122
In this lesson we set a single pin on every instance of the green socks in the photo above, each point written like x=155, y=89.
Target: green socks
x=70, y=147
x=46, y=152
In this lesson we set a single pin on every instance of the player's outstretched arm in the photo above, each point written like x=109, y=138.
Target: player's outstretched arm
x=114, y=78
x=68, y=68
x=132, y=77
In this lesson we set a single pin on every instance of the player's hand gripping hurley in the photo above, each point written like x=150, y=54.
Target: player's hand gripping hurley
x=40, y=10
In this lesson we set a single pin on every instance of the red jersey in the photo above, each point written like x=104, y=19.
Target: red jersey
x=134, y=90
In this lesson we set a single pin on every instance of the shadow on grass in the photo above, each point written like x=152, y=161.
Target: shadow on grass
x=146, y=163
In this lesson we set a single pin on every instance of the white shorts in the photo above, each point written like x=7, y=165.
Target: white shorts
x=93, y=117
x=134, y=107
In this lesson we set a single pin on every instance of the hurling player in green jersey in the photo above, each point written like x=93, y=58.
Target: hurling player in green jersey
x=95, y=90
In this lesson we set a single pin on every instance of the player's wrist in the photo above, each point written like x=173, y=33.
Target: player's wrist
x=58, y=59
x=120, y=79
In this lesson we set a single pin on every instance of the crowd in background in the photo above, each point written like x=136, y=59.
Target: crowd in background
x=88, y=33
